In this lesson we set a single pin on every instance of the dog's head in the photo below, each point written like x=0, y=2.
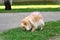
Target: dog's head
x=25, y=25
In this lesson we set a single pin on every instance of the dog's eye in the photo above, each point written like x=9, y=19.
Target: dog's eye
x=23, y=27
x=25, y=23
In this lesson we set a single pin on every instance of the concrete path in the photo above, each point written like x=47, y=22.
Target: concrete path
x=13, y=20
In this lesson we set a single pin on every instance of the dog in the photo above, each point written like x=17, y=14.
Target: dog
x=33, y=22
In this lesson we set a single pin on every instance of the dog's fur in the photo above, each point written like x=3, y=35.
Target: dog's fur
x=33, y=22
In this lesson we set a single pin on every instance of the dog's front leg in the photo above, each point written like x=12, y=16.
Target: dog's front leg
x=42, y=26
x=33, y=29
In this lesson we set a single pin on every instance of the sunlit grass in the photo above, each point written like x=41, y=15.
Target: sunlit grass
x=32, y=6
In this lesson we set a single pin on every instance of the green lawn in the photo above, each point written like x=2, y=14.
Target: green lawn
x=51, y=29
x=36, y=2
x=29, y=10
x=44, y=2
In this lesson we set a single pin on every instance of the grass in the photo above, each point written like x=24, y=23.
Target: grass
x=29, y=10
x=51, y=29
x=45, y=2
x=36, y=2
x=31, y=6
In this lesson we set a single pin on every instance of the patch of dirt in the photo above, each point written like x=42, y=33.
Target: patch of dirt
x=54, y=38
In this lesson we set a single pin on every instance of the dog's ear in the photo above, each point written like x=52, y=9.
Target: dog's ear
x=25, y=24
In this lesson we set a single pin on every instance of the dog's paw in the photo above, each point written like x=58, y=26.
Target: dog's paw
x=41, y=28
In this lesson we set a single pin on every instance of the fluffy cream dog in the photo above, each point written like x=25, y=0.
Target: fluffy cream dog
x=33, y=22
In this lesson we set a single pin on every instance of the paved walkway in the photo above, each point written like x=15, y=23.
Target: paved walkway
x=13, y=20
